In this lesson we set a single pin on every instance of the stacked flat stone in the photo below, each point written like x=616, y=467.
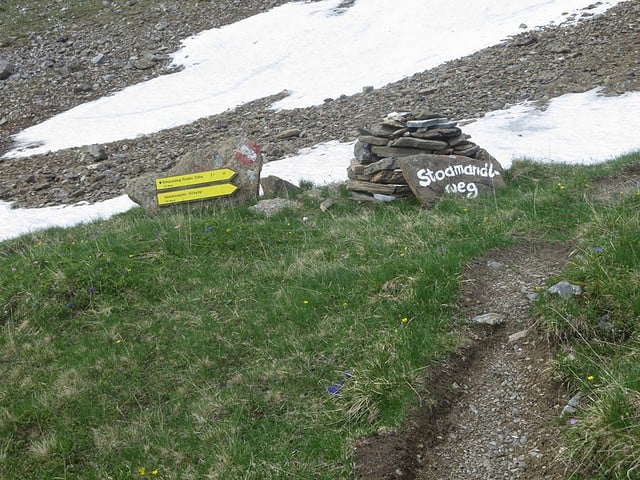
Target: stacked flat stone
x=374, y=172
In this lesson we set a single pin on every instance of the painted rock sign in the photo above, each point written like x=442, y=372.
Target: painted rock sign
x=432, y=176
x=229, y=172
x=207, y=185
x=375, y=169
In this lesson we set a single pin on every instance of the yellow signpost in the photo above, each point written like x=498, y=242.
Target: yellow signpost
x=171, y=189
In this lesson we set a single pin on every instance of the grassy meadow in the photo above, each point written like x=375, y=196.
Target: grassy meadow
x=213, y=343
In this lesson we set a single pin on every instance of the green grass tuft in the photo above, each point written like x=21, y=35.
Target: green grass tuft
x=600, y=333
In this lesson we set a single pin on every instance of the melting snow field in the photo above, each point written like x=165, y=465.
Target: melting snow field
x=291, y=47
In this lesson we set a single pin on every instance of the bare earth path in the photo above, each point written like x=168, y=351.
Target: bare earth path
x=497, y=410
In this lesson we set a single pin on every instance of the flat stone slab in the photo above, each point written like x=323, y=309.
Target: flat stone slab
x=394, y=152
x=273, y=186
x=419, y=143
x=438, y=133
x=384, y=189
x=395, y=177
x=431, y=122
x=432, y=176
x=384, y=131
x=371, y=140
x=384, y=164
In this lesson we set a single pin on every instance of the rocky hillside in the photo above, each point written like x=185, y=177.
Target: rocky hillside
x=71, y=61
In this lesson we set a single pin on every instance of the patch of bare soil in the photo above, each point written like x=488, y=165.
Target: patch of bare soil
x=607, y=188
x=492, y=411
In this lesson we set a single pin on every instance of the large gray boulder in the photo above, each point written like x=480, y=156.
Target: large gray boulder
x=239, y=155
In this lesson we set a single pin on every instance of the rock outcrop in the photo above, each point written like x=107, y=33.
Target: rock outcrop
x=240, y=156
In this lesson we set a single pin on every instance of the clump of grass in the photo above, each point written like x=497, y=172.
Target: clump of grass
x=601, y=337
x=603, y=437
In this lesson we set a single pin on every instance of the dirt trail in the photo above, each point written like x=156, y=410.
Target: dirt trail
x=496, y=409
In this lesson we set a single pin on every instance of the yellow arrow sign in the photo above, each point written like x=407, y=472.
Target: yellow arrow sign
x=200, y=193
x=194, y=178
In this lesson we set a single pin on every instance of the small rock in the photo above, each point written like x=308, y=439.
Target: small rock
x=6, y=69
x=494, y=264
x=575, y=400
x=97, y=152
x=371, y=140
x=514, y=337
x=603, y=321
x=535, y=453
x=489, y=319
x=72, y=65
x=82, y=88
x=384, y=198
x=418, y=143
x=99, y=59
x=327, y=204
x=161, y=26
x=573, y=404
x=524, y=40
x=429, y=122
x=291, y=133
x=273, y=186
x=565, y=289
x=144, y=63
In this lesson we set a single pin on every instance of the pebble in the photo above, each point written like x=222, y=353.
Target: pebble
x=565, y=289
x=514, y=337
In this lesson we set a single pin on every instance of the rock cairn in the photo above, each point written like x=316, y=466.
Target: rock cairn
x=374, y=172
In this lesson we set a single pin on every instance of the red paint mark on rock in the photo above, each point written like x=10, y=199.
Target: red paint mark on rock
x=248, y=153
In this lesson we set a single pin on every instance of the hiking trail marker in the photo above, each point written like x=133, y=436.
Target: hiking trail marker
x=207, y=184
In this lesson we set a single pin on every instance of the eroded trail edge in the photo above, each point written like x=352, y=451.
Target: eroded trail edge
x=492, y=410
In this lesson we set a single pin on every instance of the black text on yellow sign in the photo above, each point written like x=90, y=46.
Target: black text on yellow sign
x=197, y=178
x=199, y=193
